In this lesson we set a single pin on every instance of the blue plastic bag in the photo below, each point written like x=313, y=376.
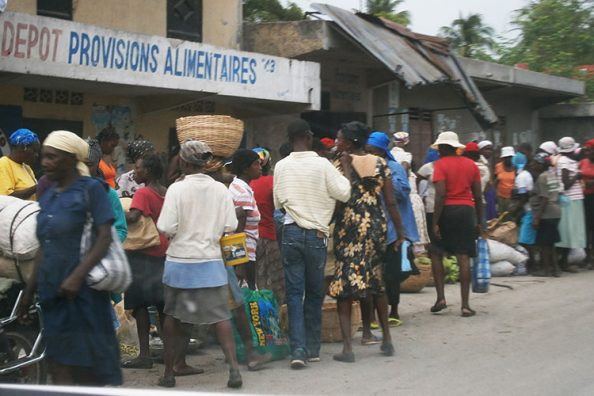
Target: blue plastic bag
x=481, y=268
x=405, y=262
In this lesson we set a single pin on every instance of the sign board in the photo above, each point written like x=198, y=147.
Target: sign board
x=58, y=48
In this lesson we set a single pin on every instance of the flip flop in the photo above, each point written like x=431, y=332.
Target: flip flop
x=188, y=371
x=261, y=361
x=387, y=349
x=394, y=322
x=467, y=312
x=438, y=307
x=374, y=326
x=371, y=341
x=345, y=357
x=138, y=363
x=166, y=382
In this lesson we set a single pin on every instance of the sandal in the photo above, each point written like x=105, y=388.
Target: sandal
x=394, y=322
x=188, y=370
x=439, y=306
x=138, y=363
x=345, y=357
x=374, y=326
x=235, y=380
x=468, y=312
x=371, y=341
x=387, y=349
x=260, y=361
x=166, y=382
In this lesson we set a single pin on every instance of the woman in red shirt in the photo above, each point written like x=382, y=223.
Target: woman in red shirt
x=587, y=172
x=269, y=267
x=458, y=205
x=146, y=264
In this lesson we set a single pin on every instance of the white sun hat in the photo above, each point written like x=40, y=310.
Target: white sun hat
x=507, y=151
x=568, y=145
x=449, y=138
x=549, y=147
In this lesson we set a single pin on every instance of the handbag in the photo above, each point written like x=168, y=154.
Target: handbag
x=481, y=268
x=112, y=273
x=141, y=234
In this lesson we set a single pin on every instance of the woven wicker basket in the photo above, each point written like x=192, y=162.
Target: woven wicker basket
x=330, y=325
x=222, y=133
x=416, y=283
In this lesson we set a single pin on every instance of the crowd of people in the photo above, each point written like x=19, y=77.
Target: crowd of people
x=335, y=217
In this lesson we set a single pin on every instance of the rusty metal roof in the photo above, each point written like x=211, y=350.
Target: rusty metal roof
x=415, y=59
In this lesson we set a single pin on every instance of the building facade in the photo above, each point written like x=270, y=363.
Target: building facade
x=136, y=66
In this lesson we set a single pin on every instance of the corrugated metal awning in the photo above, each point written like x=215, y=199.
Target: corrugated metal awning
x=415, y=59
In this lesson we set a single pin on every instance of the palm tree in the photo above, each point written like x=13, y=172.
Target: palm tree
x=470, y=36
x=387, y=9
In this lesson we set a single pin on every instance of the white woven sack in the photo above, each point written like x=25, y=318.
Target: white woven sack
x=501, y=252
x=502, y=268
x=18, y=224
x=6, y=200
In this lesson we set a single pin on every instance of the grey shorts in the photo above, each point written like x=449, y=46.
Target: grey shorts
x=197, y=306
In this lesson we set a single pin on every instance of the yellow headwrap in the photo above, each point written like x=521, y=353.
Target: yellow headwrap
x=70, y=143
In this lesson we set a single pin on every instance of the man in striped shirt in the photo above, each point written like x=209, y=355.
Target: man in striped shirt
x=306, y=188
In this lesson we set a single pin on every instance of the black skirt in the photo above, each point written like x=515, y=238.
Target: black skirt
x=457, y=226
x=548, y=232
x=146, y=288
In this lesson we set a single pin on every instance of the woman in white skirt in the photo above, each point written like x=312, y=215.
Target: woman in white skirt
x=572, y=226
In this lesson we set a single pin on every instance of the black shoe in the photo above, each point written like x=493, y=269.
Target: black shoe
x=138, y=363
x=345, y=357
x=299, y=359
x=166, y=382
x=235, y=380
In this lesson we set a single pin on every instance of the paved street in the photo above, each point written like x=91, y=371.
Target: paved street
x=536, y=339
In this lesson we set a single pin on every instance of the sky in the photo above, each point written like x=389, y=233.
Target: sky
x=429, y=15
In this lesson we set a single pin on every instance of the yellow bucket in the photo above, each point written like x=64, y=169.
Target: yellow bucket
x=234, y=249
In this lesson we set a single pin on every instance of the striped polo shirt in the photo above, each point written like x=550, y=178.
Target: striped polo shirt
x=243, y=197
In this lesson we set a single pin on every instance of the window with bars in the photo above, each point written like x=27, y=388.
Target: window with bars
x=55, y=8
x=184, y=19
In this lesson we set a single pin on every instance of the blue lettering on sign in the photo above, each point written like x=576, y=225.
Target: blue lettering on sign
x=107, y=52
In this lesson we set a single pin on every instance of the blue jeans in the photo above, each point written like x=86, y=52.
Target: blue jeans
x=304, y=259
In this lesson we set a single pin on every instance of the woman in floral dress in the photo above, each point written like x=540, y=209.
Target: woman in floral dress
x=360, y=235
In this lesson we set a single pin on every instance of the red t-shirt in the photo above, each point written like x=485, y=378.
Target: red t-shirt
x=262, y=187
x=458, y=173
x=587, y=169
x=150, y=203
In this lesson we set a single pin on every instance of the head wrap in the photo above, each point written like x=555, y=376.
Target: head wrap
x=263, y=154
x=402, y=138
x=195, y=152
x=381, y=141
x=70, y=143
x=471, y=147
x=549, y=147
x=432, y=155
x=589, y=144
x=485, y=143
x=329, y=143
x=95, y=152
x=243, y=159
x=23, y=137
x=138, y=148
x=519, y=161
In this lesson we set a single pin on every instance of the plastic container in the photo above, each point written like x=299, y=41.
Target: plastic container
x=234, y=249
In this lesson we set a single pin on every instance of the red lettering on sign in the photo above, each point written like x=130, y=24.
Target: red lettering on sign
x=44, y=44
x=32, y=39
x=7, y=37
x=57, y=33
x=20, y=40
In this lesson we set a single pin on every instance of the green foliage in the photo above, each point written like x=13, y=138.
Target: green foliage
x=556, y=36
x=387, y=9
x=469, y=36
x=270, y=11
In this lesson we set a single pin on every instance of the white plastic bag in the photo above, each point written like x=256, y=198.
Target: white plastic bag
x=501, y=252
x=502, y=268
x=18, y=221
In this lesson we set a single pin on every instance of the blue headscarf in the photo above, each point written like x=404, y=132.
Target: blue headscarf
x=22, y=137
x=432, y=155
x=381, y=141
x=519, y=161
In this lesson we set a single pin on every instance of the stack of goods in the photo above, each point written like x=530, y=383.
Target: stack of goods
x=18, y=241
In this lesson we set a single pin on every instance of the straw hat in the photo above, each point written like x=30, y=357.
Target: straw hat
x=449, y=138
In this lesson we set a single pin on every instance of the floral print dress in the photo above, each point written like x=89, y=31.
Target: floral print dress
x=360, y=236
